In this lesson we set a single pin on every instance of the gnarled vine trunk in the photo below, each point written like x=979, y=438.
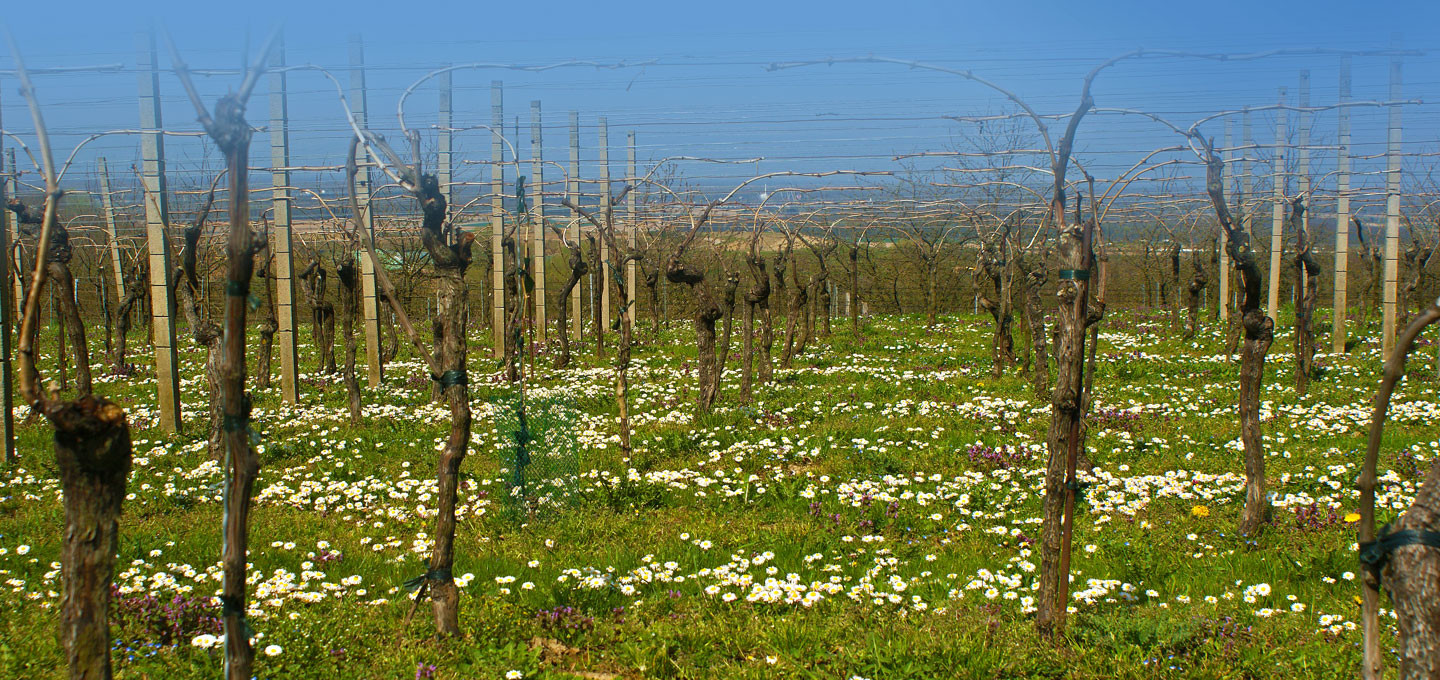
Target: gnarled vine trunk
x=92, y=456
x=854, y=305
x=578, y=269
x=765, y=373
x=1307, y=289
x=995, y=298
x=450, y=251
x=71, y=327
x=269, y=326
x=1259, y=332
x=322, y=315
x=1195, y=292
x=1035, y=279
x=1412, y=576
x=1170, y=288
x=707, y=312
x=727, y=297
x=349, y=276
x=124, y=313
x=652, y=286
x=205, y=332
x=757, y=298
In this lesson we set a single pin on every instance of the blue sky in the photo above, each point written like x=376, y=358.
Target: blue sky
x=710, y=94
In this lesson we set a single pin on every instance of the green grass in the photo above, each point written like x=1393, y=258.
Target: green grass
x=853, y=473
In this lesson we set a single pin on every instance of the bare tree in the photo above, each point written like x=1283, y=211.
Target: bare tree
x=1307, y=290
x=313, y=280
x=204, y=331
x=1195, y=292
x=994, y=273
x=822, y=247
x=798, y=297
x=1417, y=257
x=852, y=255
x=1405, y=554
x=615, y=277
x=67, y=318
x=126, y=310
x=1074, y=315
x=757, y=299
x=1259, y=333
x=92, y=449
x=1369, y=255
x=707, y=310
x=449, y=248
x=269, y=324
x=767, y=317
x=1170, y=284
x=1035, y=274
x=930, y=246
x=230, y=132
x=349, y=276
x=578, y=269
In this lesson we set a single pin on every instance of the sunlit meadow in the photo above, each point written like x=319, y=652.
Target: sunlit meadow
x=872, y=515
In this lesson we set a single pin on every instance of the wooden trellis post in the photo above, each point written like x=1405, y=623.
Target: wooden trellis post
x=604, y=149
x=369, y=301
x=537, y=223
x=1342, y=215
x=1277, y=210
x=577, y=314
x=1392, y=212
x=497, y=215
x=281, y=240
x=107, y=204
x=1224, y=273
x=633, y=219
x=157, y=217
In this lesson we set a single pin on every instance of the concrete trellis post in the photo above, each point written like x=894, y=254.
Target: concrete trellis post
x=1302, y=158
x=1341, y=305
x=537, y=223
x=1247, y=180
x=444, y=142
x=497, y=216
x=281, y=241
x=1277, y=211
x=15, y=300
x=7, y=321
x=1302, y=162
x=445, y=166
x=107, y=204
x=1224, y=270
x=604, y=148
x=632, y=218
x=576, y=313
x=157, y=216
x=369, y=301
x=1392, y=213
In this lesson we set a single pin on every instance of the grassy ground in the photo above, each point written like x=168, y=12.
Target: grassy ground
x=870, y=515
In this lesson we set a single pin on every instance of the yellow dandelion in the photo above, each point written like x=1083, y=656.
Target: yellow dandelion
x=1352, y=518
x=1200, y=511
